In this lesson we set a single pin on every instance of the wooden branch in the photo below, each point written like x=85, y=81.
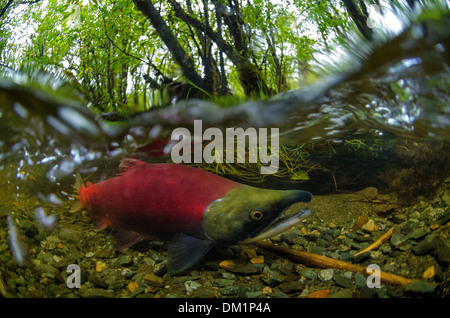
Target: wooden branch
x=169, y=39
x=313, y=260
x=378, y=242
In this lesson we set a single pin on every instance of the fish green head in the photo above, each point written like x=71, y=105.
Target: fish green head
x=246, y=214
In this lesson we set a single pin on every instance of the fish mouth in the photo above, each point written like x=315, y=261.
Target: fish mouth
x=279, y=225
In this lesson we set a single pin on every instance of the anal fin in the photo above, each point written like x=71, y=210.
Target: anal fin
x=185, y=251
x=126, y=238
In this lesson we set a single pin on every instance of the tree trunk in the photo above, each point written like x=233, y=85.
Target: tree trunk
x=177, y=51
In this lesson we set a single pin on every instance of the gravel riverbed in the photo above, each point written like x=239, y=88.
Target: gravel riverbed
x=340, y=225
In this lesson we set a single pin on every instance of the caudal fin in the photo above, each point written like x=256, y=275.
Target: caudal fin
x=78, y=182
x=77, y=205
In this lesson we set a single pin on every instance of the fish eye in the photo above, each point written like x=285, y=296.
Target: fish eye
x=256, y=215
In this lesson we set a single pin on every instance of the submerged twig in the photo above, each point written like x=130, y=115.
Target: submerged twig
x=378, y=242
x=314, y=260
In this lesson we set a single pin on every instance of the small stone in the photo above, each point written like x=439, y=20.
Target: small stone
x=239, y=267
x=191, y=285
x=271, y=277
x=419, y=288
x=369, y=226
x=308, y=273
x=100, y=266
x=443, y=255
x=312, y=236
x=223, y=282
x=229, y=291
x=253, y=294
x=344, y=293
x=397, y=239
x=434, y=226
x=257, y=260
x=348, y=275
x=419, y=233
x=326, y=275
x=125, y=260
x=153, y=280
x=429, y=243
x=132, y=286
x=267, y=290
x=160, y=268
x=322, y=293
x=341, y=281
x=115, y=282
x=414, y=215
x=248, y=253
x=398, y=218
x=362, y=219
x=299, y=241
x=429, y=273
x=358, y=258
x=127, y=273
x=360, y=280
x=369, y=193
x=317, y=250
x=291, y=287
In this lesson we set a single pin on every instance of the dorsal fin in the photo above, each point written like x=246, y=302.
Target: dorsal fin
x=129, y=164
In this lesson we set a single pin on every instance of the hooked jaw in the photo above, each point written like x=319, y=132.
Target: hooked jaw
x=280, y=225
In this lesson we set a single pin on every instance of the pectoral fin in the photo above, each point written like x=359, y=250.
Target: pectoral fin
x=185, y=251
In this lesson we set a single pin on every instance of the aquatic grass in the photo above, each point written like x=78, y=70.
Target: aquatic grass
x=294, y=165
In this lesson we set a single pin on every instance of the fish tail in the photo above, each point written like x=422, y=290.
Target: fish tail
x=78, y=186
x=78, y=182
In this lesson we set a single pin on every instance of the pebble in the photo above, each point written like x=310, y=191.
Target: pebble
x=419, y=288
x=397, y=239
x=127, y=273
x=443, y=255
x=291, y=286
x=360, y=280
x=191, y=285
x=229, y=291
x=100, y=266
x=419, y=233
x=153, y=280
x=369, y=226
x=429, y=273
x=341, y=280
x=251, y=273
x=326, y=274
x=132, y=286
x=429, y=243
x=223, y=282
x=362, y=219
x=240, y=267
x=125, y=260
x=271, y=277
x=308, y=273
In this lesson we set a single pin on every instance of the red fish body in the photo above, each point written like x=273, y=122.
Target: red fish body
x=196, y=208
x=159, y=199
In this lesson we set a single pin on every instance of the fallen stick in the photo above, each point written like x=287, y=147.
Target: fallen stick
x=314, y=260
x=378, y=242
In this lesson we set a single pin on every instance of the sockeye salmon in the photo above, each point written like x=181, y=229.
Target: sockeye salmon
x=193, y=208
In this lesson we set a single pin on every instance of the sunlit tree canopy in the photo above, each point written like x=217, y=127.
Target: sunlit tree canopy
x=130, y=55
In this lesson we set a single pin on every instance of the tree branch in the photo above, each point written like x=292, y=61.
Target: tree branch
x=179, y=54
